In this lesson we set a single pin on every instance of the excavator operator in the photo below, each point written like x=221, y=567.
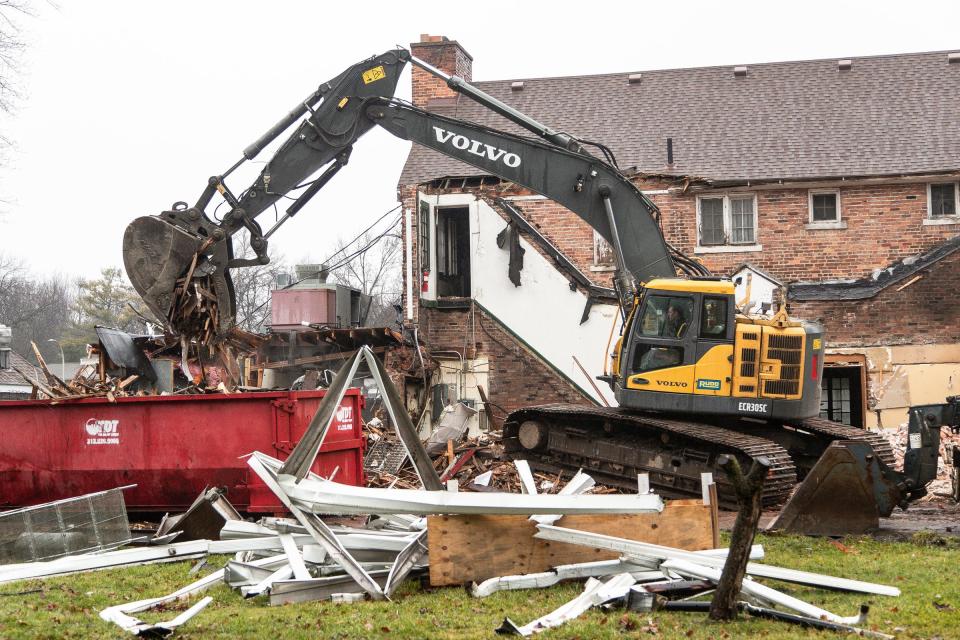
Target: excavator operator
x=676, y=323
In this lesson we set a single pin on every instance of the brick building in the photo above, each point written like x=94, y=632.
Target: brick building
x=838, y=178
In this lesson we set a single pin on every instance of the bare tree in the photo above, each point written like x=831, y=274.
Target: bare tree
x=12, y=45
x=252, y=285
x=373, y=266
x=11, y=49
x=37, y=309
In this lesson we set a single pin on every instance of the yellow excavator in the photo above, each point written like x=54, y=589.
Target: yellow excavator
x=695, y=377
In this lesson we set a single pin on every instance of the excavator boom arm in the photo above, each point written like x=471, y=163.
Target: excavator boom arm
x=163, y=252
x=575, y=180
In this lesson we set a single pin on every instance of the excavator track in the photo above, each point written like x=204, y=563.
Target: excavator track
x=836, y=431
x=614, y=446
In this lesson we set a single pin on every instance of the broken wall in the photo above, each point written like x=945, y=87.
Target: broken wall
x=517, y=377
x=909, y=334
x=543, y=313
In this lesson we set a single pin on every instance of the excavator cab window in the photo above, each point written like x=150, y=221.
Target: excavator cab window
x=649, y=357
x=663, y=324
x=665, y=316
x=713, y=318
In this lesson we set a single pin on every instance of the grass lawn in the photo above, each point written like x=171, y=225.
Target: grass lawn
x=926, y=571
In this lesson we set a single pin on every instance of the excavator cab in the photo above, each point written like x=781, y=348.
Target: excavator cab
x=686, y=349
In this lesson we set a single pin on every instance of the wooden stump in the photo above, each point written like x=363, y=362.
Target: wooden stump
x=749, y=491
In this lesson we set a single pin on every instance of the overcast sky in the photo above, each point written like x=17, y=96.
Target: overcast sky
x=128, y=107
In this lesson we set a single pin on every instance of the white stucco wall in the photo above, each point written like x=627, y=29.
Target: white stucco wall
x=542, y=311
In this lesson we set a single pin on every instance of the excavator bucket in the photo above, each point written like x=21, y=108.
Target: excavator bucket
x=845, y=493
x=158, y=256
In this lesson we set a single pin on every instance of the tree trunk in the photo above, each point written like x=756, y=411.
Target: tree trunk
x=749, y=491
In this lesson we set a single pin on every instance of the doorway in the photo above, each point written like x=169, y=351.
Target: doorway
x=453, y=252
x=841, y=398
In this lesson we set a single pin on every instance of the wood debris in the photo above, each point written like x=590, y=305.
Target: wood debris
x=193, y=368
x=484, y=453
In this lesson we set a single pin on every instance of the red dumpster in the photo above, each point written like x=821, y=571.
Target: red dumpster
x=171, y=447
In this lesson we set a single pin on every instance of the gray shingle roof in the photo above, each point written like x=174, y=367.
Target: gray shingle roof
x=9, y=376
x=887, y=115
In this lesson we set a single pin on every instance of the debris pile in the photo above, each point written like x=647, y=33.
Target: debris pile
x=400, y=533
x=131, y=365
x=476, y=463
x=193, y=312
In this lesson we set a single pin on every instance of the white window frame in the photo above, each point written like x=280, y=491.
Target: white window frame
x=728, y=246
x=954, y=219
x=839, y=223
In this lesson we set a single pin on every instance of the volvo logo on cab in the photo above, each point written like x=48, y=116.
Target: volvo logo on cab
x=476, y=147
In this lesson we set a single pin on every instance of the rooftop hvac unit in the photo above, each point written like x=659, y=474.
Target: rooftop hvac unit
x=282, y=280
x=312, y=272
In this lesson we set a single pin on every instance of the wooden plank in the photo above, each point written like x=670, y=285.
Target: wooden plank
x=487, y=407
x=37, y=385
x=473, y=548
x=56, y=384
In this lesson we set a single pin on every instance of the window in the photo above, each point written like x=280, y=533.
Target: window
x=727, y=220
x=741, y=210
x=423, y=219
x=665, y=317
x=841, y=396
x=453, y=252
x=713, y=319
x=711, y=221
x=602, y=252
x=447, y=245
x=942, y=200
x=824, y=206
x=649, y=357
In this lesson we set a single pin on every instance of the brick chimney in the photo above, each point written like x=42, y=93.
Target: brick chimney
x=446, y=55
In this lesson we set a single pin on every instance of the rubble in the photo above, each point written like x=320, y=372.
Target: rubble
x=140, y=365
x=942, y=485
x=643, y=551
x=405, y=525
x=594, y=594
x=208, y=514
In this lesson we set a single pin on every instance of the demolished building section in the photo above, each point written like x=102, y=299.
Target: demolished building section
x=803, y=218
x=895, y=331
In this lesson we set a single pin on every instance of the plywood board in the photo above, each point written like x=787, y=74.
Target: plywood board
x=473, y=548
